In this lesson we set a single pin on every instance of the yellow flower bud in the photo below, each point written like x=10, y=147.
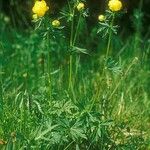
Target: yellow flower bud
x=101, y=17
x=56, y=23
x=80, y=6
x=115, y=5
x=34, y=16
x=40, y=8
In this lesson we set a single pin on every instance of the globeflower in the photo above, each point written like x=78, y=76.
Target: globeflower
x=80, y=6
x=56, y=23
x=40, y=8
x=101, y=18
x=115, y=5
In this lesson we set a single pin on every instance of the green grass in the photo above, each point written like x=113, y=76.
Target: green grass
x=97, y=104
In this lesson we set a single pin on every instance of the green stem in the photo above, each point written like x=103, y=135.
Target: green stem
x=49, y=71
x=71, y=44
x=72, y=28
x=110, y=36
x=70, y=71
x=73, y=38
x=77, y=29
x=74, y=41
x=108, y=44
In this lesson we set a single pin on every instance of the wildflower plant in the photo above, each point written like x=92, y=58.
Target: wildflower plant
x=58, y=90
x=73, y=14
x=106, y=26
x=48, y=29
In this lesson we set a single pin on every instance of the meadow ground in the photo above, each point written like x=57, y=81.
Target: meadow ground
x=65, y=87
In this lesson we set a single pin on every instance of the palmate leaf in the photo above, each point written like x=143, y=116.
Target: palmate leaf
x=105, y=28
x=79, y=50
x=41, y=133
x=77, y=131
x=86, y=13
x=67, y=15
x=74, y=130
x=63, y=107
x=113, y=66
x=56, y=137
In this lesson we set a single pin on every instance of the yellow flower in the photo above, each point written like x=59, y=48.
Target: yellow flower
x=80, y=6
x=115, y=5
x=34, y=16
x=40, y=8
x=56, y=23
x=101, y=17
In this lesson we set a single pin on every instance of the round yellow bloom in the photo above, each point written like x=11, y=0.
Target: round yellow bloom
x=115, y=5
x=101, y=17
x=56, y=23
x=34, y=16
x=40, y=8
x=80, y=6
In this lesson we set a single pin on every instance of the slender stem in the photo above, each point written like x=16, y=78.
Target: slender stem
x=77, y=29
x=49, y=75
x=71, y=44
x=73, y=38
x=74, y=41
x=70, y=71
x=110, y=36
x=72, y=28
x=108, y=44
x=49, y=70
x=42, y=62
